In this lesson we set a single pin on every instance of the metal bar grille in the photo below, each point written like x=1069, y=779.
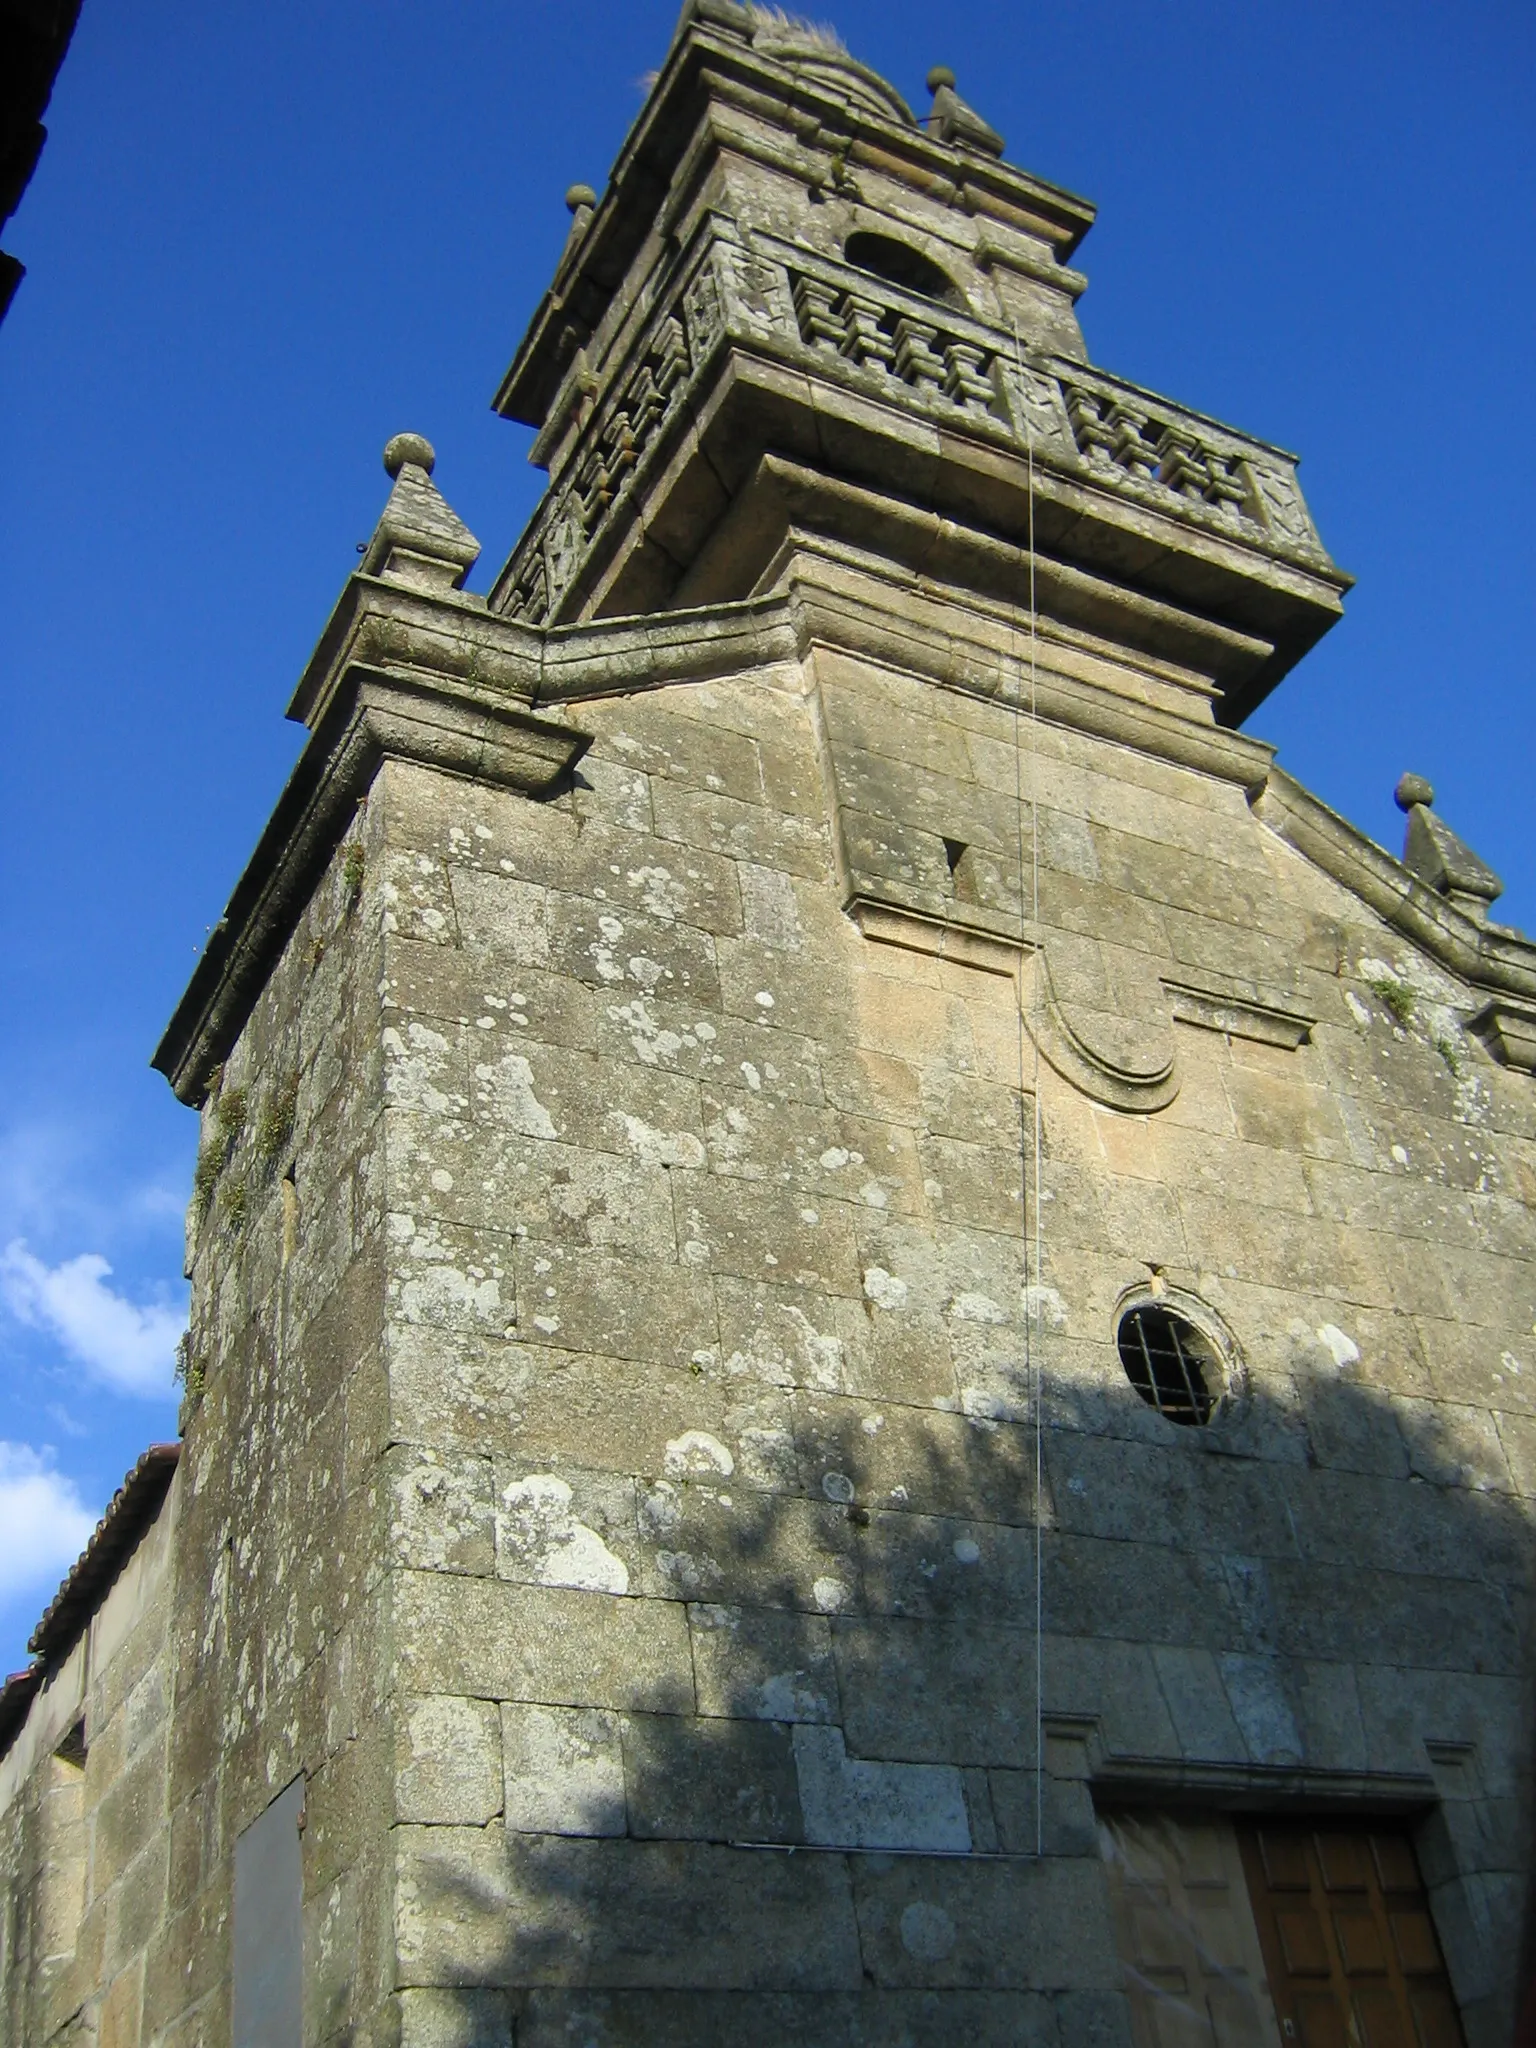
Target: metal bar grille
x=1166, y=1360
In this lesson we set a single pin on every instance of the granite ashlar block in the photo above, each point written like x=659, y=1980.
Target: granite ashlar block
x=987, y=1925
x=488, y=1639
x=937, y=1691
x=753, y=1663
x=448, y=1760
x=476, y=1907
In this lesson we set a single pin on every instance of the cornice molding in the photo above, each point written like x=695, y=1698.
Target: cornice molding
x=840, y=599
x=1509, y=1032
x=1209, y=1007
x=1484, y=956
x=437, y=679
x=1128, y=1778
x=371, y=715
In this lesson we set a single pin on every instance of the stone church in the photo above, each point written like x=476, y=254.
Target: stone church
x=861, y=1367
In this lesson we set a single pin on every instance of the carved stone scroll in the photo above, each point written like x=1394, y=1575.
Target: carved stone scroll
x=1125, y=1063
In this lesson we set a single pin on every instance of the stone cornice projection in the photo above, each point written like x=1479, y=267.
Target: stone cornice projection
x=371, y=715
x=1488, y=957
x=411, y=667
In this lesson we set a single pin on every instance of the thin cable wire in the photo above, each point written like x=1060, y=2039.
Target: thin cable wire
x=1037, y=1298
x=1033, y=1287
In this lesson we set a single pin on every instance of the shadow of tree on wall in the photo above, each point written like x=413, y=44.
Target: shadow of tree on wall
x=1286, y=1605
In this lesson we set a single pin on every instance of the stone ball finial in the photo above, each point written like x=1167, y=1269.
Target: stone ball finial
x=939, y=77
x=404, y=448
x=1411, y=790
x=579, y=196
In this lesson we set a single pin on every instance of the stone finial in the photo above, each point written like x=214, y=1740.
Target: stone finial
x=1411, y=790
x=419, y=540
x=413, y=448
x=953, y=121
x=581, y=200
x=1433, y=852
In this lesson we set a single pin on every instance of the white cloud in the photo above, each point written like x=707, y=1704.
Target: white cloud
x=64, y=1179
x=131, y=1349
x=44, y=1524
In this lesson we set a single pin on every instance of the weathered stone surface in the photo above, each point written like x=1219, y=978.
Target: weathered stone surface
x=849, y=1803
x=476, y=1908
x=442, y=1513
x=625, y=1309
x=712, y=1780
x=932, y=1691
x=867, y=2019
x=454, y=2019
x=754, y=1664
x=448, y=1762
x=492, y=1640
x=989, y=1926
x=565, y=1770
x=578, y=1532
x=715, y=1037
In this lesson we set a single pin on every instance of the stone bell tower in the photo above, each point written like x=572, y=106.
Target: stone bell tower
x=801, y=329
x=861, y=1293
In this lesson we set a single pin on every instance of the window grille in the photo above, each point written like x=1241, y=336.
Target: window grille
x=1174, y=1366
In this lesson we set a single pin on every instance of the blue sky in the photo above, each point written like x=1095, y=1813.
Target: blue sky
x=264, y=238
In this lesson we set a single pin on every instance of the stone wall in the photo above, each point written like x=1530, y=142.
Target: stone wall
x=279, y=1650
x=610, y=1476
x=84, y=1834
x=611, y=1479
x=715, y=1496
x=687, y=1098
x=241, y=1643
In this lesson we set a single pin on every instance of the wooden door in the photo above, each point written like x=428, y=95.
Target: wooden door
x=1194, y=1975
x=1349, y=1946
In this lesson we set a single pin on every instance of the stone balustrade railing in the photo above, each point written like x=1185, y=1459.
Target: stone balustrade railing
x=780, y=301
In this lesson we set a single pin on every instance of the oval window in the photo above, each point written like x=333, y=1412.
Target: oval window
x=1172, y=1363
x=898, y=264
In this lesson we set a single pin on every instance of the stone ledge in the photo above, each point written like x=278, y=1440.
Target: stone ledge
x=1509, y=1032
x=889, y=924
x=1484, y=957
x=785, y=511
x=1076, y=1748
x=1158, y=1782
x=1236, y=1016
x=371, y=716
